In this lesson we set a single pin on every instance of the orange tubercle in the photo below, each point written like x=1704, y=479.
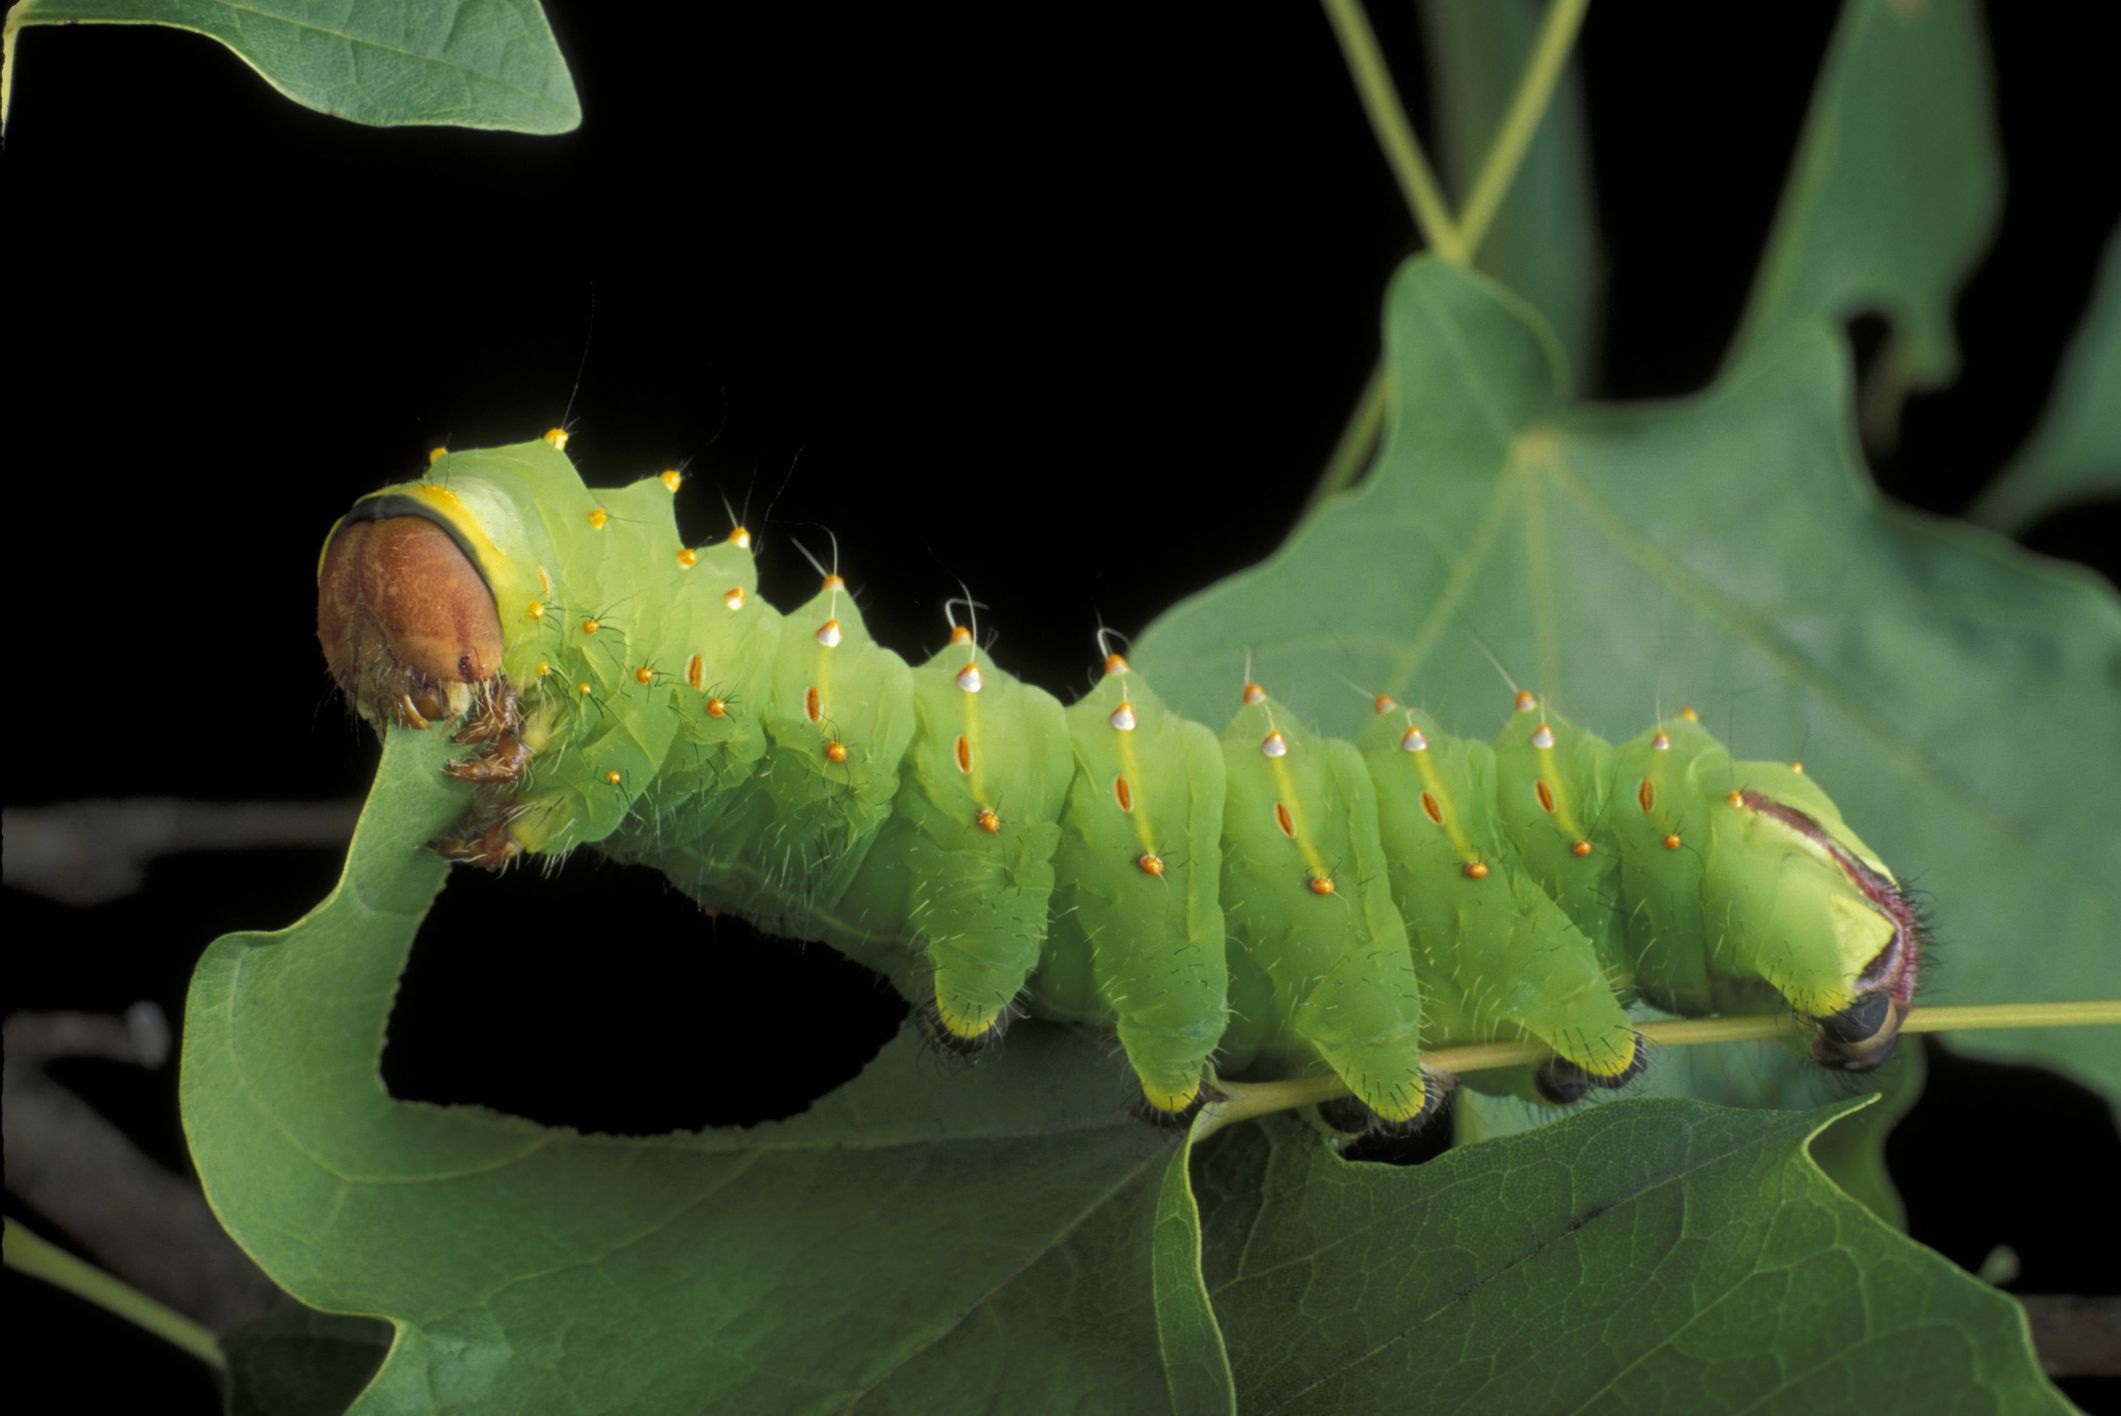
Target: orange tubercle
x=1582, y=848
x=1321, y=884
x=988, y=821
x=1671, y=842
x=1476, y=870
x=836, y=752
x=1150, y=862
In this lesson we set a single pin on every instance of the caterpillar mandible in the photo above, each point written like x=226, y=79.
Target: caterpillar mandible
x=1254, y=901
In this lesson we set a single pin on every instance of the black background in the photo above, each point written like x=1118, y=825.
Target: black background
x=1068, y=304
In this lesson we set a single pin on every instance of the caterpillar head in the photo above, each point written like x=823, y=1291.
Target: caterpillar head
x=407, y=622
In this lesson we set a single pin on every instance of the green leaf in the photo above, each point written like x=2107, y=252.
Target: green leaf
x=1894, y=194
x=1954, y=694
x=1477, y=50
x=2075, y=453
x=1646, y=1255
x=1770, y=1076
x=295, y=1361
x=468, y=63
x=1196, y=1367
x=1004, y=1237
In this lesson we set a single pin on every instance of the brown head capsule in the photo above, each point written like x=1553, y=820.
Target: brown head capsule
x=404, y=618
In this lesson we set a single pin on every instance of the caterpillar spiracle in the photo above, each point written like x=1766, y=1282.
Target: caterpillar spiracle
x=1261, y=898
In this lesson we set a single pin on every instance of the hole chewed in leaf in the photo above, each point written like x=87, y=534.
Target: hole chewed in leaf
x=602, y=1000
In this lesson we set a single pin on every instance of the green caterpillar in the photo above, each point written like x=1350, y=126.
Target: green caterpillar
x=1263, y=899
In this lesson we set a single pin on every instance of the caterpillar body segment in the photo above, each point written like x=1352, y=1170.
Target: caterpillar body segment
x=787, y=840
x=1137, y=938
x=1263, y=900
x=966, y=857
x=1499, y=955
x=1320, y=964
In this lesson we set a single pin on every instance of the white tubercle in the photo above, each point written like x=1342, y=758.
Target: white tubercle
x=828, y=634
x=1123, y=717
x=1543, y=736
x=968, y=678
x=1274, y=744
x=1413, y=741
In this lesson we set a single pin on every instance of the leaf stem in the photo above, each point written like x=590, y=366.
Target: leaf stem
x=30, y=1254
x=1358, y=440
x=1388, y=120
x=1528, y=105
x=1244, y=1100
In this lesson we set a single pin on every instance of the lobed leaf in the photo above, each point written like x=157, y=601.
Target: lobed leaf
x=926, y=1237
x=1895, y=192
x=2075, y=453
x=1728, y=551
x=1646, y=1255
x=468, y=63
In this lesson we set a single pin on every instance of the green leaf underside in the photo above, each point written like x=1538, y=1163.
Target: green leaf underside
x=1649, y=1255
x=2075, y=453
x=1478, y=49
x=466, y=63
x=926, y=1238
x=295, y=1361
x=1895, y=190
x=1725, y=551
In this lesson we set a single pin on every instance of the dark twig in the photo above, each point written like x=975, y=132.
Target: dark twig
x=92, y=852
x=147, y=1226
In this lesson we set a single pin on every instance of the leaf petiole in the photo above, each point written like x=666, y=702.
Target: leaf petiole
x=1528, y=105
x=1244, y=1100
x=30, y=1254
x=1388, y=120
